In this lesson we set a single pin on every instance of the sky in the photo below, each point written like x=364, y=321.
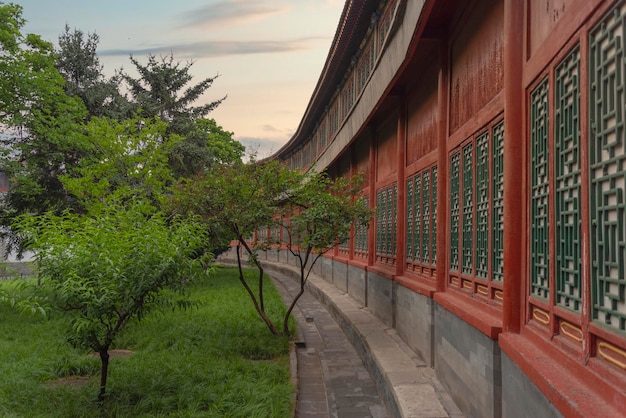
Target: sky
x=268, y=53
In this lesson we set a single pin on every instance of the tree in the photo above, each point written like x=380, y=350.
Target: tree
x=206, y=145
x=127, y=160
x=111, y=268
x=79, y=65
x=315, y=212
x=162, y=90
x=48, y=136
x=234, y=201
x=315, y=217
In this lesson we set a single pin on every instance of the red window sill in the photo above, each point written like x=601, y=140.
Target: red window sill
x=570, y=386
x=483, y=317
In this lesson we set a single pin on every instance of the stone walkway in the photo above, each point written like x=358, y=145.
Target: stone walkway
x=332, y=380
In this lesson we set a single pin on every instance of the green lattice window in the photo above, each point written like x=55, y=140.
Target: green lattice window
x=539, y=192
x=567, y=182
x=497, y=185
x=421, y=220
x=482, y=206
x=386, y=223
x=468, y=209
x=607, y=166
x=360, y=237
x=455, y=189
x=476, y=212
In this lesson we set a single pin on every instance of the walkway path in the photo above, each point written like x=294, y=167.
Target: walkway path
x=332, y=380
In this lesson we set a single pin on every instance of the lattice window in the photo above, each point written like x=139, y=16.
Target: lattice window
x=568, y=179
x=365, y=65
x=455, y=207
x=497, y=185
x=468, y=209
x=361, y=237
x=347, y=97
x=421, y=222
x=482, y=206
x=540, y=222
x=476, y=211
x=333, y=117
x=607, y=165
x=386, y=224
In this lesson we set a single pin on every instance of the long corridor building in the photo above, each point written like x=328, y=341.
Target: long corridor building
x=493, y=140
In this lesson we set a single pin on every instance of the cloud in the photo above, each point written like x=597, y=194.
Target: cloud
x=228, y=12
x=209, y=49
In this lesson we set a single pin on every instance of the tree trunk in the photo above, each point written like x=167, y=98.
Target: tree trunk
x=104, y=371
x=260, y=311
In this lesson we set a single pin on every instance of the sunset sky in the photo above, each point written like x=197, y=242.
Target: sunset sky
x=268, y=53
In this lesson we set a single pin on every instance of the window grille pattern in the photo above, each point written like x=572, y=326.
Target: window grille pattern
x=455, y=183
x=360, y=237
x=607, y=165
x=498, y=202
x=421, y=223
x=468, y=208
x=539, y=216
x=426, y=199
x=568, y=180
x=434, y=216
x=482, y=205
x=386, y=223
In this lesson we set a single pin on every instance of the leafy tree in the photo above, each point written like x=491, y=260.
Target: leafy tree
x=109, y=269
x=127, y=160
x=206, y=145
x=78, y=63
x=234, y=201
x=315, y=216
x=159, y=91
x=163, y=90
x=48, y=139
x=239, y=200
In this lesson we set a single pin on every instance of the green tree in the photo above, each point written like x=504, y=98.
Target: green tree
x=127, y=160
x=235, y=201
x=315, y=212
x=79, y=65
x=163, y=89
x=47, y=140
x=111, y=268
x=315, y=216
x=204, y=146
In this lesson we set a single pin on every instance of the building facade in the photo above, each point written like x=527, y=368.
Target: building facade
x=492, y=138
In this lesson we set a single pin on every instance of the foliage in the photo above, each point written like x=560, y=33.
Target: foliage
x=206, y=145
x=207, y=361
x=110, y=268
x=314, y=212
x=128, y=160
x=234, y=201
x=315, y=217
x=80, y=67
x=162, y=90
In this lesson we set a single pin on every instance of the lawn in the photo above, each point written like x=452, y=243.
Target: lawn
x=217, y=359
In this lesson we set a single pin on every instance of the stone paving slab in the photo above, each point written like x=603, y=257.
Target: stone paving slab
x=332, y=379
x=407, y=386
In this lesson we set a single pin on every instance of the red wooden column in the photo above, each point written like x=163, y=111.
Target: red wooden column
x=514, y=242
x=442, y=168
x=371, y=233
x=401, y=202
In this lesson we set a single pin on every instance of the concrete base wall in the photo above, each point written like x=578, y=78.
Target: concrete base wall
x=414, y=322
x=381, y=297
x=357, y=284
x=520, y=397
x=326, y=269
x=467, y=362
x=340, y=276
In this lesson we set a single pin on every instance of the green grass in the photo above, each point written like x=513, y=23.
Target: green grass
x=217, y=359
